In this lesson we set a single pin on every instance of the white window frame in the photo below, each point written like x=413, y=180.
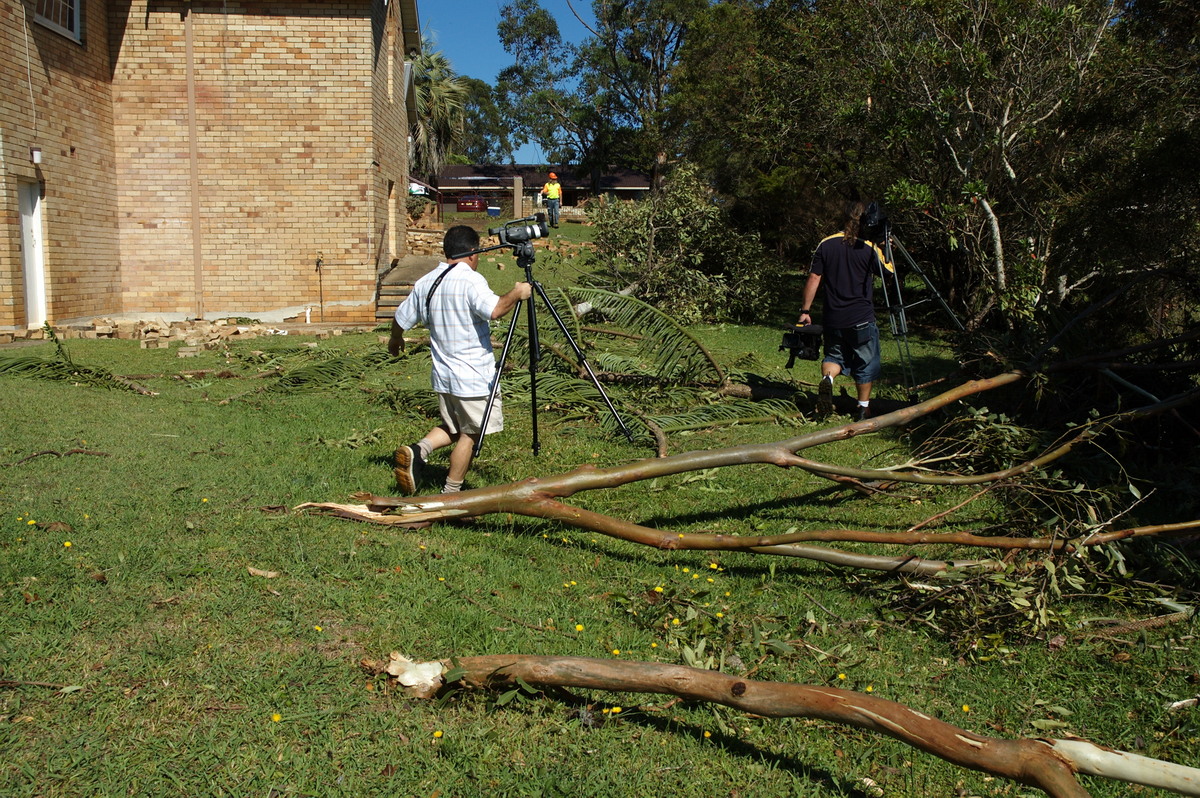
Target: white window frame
x=61, y=16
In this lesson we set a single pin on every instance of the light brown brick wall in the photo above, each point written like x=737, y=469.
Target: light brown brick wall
x=289, y=124
x=284, y=140
x=70, y=117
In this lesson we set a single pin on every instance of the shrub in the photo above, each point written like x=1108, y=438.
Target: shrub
x=678, y=248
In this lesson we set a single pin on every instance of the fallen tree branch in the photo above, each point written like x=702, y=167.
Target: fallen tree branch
x=67, y=453
x=1049, y=765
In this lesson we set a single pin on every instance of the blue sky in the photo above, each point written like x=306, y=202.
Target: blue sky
x=465, y=30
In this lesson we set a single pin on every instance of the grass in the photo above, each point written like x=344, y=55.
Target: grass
x=146, y=658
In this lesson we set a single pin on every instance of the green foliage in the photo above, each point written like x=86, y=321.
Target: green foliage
x=679, y=250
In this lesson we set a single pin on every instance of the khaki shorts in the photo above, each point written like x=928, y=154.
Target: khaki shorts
x=466, y=415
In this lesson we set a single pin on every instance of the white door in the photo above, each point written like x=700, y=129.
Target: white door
x=31, y=254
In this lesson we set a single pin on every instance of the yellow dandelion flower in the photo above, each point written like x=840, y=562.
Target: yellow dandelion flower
x=658, y=589
x=437, y=735
x=842, y=676
x=713, y=566
x=276, y=718
x=966, y=707
x=654, y=645
x=318, y=628
x=617, y=651
x=441, y=579
x=578, y=627
x=711, y=580
x=720, y=615
x=615, y=710
x=67, y=544
x=707, y=734
x=31, y=522
x=870, y=688
x=573, y=583
x=675, y=621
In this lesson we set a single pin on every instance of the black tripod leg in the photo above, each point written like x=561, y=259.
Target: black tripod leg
x=534, y=354
x=487, y=411
x=537, y=287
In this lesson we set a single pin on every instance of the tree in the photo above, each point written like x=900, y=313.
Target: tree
x=485, y=138
x=605, y=100
x=441, y=101
x=991, y=129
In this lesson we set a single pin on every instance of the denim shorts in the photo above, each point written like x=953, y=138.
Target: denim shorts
x=856, y=350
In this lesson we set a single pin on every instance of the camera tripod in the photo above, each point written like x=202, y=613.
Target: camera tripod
x=897, y=310
x=525, y=257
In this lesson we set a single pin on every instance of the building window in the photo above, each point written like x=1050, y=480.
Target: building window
x=64, y=16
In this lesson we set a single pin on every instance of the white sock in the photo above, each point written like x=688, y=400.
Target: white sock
x=425, y=448
x=452, y=487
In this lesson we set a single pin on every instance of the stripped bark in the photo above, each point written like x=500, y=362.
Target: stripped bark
x=1049, y=765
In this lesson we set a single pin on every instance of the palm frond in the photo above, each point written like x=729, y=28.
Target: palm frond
x=739, y=411
x=676, y=353
x=32, y=367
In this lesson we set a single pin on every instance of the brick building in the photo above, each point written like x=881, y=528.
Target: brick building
x=205, y=158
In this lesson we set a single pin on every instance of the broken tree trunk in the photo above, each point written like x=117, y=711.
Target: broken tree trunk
x=1049, y=765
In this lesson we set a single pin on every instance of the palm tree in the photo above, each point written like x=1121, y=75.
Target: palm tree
x=441, y=102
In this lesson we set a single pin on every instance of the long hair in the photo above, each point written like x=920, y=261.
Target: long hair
x=852, y=222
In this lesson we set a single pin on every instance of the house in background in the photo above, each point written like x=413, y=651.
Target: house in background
x=203, y=158
x=496, y=184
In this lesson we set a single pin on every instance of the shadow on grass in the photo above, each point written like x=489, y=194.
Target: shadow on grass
x=582, y=708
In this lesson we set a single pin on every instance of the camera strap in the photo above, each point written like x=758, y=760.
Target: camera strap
x=436, y=283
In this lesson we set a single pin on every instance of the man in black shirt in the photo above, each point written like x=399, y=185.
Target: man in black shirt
x=846, y=264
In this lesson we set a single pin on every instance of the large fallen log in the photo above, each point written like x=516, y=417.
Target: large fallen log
x=1048, y=764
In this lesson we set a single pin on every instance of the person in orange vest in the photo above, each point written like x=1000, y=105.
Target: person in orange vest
x=552, y=192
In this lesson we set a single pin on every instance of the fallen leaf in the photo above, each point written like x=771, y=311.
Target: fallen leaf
x=55, y=526
x=266, y=574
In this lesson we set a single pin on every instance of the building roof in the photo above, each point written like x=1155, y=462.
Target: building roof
x=493, y=177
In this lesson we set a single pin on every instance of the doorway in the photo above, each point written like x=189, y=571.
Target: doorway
x=33, y=265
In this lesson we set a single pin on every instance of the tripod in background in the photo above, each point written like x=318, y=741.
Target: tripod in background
x=877, y=228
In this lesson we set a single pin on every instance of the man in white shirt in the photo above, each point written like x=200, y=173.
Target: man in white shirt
x=455, y=304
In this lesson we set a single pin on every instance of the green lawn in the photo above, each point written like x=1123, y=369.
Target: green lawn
x=140, y=655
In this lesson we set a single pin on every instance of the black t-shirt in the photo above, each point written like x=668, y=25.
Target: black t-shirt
x=847, y=275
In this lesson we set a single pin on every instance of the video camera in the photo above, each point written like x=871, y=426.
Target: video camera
x=517, y=232
x=802, y=341
x=874, y=226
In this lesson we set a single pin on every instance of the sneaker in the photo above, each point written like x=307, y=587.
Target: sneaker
x=825, y=396
x=862, y=413
x=409, y=465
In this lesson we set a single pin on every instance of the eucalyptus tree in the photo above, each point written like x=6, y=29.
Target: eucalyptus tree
x=486, y=137
x=1004, y=135
x=604, y=100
